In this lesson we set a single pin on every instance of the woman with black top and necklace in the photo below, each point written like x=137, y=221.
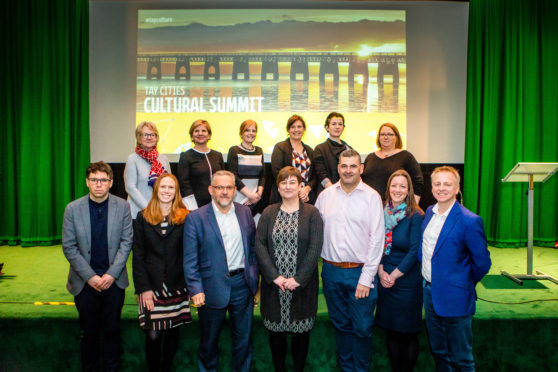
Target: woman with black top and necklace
x=246, y=162
x=289, y=241
x=389, y=157
x=326, y=155
x=293, y=152
x=197, y=165
x=158, y=272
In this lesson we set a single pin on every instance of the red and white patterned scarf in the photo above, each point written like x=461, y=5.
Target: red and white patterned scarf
x=156, y=167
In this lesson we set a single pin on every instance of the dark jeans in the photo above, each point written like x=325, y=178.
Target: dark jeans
x=351, y=318
x=451, y=338
x=240, y=308
x=100, y=312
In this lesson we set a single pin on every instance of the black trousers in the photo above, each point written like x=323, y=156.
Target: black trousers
x=299, y=349
x=99, y=313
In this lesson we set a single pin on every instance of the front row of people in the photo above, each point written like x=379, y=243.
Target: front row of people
x=212, y=258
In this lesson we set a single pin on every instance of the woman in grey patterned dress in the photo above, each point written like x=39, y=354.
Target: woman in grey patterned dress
x=288, y=245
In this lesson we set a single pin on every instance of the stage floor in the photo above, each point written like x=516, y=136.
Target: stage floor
x=37, y=275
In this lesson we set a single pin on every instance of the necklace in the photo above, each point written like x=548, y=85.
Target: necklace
x=246, y=148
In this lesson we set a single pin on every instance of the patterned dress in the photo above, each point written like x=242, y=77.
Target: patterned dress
x=171, y=308
x=285, y=241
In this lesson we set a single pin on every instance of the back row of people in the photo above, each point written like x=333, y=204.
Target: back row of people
x=318, y=166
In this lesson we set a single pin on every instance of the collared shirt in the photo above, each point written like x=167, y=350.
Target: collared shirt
x=98, y=218
x=430, y=238
x=353, y=227
x=232, y=236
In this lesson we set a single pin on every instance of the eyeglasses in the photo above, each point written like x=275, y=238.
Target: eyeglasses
x=222, y=188
x=387, y=134
x=148, y=135
x=101, y=180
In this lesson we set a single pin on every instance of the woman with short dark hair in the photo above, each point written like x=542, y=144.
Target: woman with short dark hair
x=289, y=241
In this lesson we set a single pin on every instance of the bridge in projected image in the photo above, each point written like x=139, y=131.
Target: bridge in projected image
x=388, y=64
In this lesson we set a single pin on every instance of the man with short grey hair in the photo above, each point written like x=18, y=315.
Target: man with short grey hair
x=221, y=272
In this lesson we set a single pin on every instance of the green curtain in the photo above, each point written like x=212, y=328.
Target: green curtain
x=45, y=98
x=512, y=115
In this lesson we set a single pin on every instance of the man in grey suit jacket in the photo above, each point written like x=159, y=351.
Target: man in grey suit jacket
x=96, y=240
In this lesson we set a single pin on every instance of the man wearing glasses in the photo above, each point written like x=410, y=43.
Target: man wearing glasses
x=96, y=240
x=221, y=272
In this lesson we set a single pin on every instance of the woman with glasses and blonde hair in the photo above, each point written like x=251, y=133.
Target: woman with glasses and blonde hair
x=143, y=167
x=389, y=157
x=158, y=272
x=399, y=306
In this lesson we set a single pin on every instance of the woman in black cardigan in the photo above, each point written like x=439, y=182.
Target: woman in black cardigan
x=158, y=272
x=294, y=152
x=197, y=166
x=288, y=245
x=326, y=154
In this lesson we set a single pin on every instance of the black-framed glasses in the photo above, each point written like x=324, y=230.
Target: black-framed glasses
x=387, y=134
x=103, y=181
x=222, y=188
x=148, y=135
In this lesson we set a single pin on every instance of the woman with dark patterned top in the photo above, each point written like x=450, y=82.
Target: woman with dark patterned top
x=293, y=152
x=326, y=155
x=399, y=306
x=246, y=162
x=289, y=241
x=158, y=273
x=389, y=157
x=197, y=165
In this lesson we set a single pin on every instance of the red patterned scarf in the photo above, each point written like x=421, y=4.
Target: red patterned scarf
x=156, y=167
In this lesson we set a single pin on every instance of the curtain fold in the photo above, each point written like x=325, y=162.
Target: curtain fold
x=46, y=103
x=512, y=115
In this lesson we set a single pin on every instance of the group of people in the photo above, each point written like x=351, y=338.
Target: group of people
x=195, y=242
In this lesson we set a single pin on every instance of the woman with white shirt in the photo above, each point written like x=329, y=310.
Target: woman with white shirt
x=143, y=167
x=197, y=165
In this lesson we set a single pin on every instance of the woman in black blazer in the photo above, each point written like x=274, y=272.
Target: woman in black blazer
x=158, y=272
x=293, y=152
x=288, y=245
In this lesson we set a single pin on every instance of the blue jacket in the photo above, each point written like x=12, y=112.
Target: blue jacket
x=205, y=260
x=459, y=262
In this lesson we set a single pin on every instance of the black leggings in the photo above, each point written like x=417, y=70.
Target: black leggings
x=160, y=347
x=299, y=349
x=403, y=349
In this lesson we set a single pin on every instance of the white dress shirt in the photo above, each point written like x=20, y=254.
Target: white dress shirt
x=231, y=235
x=354, y=228
x=430, y=238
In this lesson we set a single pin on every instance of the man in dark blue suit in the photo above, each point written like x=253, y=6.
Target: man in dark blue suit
x=221, y=272
x=454, y=259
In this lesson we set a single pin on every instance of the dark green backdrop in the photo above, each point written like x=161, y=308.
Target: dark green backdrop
x=512, y=115
x=45, y=101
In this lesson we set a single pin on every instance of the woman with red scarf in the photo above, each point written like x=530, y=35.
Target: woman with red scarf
x=143, y=167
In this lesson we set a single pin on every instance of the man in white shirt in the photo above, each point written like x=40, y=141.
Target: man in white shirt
x=221, y=272
x=454, y=258
x=353, y=246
